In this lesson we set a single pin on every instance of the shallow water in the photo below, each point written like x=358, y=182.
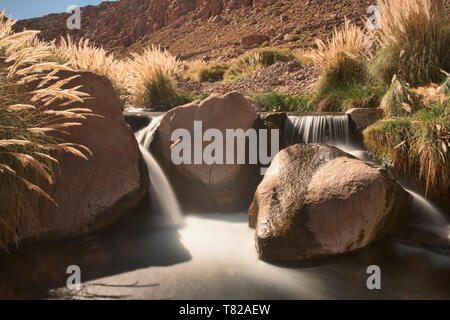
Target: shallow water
x=212, y=257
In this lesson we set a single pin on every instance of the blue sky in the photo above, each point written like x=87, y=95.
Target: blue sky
x=23, y=9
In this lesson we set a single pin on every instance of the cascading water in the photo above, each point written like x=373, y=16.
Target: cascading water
x=435, y=218
x=334, y=130
x=317, y=129
x=162, y=195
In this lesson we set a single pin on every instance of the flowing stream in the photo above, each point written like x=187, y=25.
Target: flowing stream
x=334, y=130
x=213, y=256
x=317, y=129
x=161, y=193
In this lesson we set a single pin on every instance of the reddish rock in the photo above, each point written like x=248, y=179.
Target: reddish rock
x=203, y=186
x=94, y=193
x=125, y=22
x=316, y=201
x=254, y=40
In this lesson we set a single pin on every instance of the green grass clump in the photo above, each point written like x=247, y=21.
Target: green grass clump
x=343, y=58
x=203, y=72
x=185, y=98
x=416, y=145
x=415, y=38
x=287, y=103
x=213, y=72
x=159, y=91
x=293, y=38
x=254, y=60
x=367, y=94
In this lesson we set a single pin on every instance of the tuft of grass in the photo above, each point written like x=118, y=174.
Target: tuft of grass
x=255, y=60
x=203, y=72
x=156, y=92
x=148, y=77
x=287, y=103
x=34, y=109
x=293, y=38
x=185, y=98
x=367, y=94
x=414, y=38
x=417, y=144
x=343, y=57
x=84, y=56
x=303, y=56
x=144, y=80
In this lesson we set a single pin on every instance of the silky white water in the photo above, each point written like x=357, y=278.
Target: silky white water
x=317, y=129
x=162, y=195
x=334, y=130
x=435, y=218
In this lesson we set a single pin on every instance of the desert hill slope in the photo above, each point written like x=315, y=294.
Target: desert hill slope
x=203, y=28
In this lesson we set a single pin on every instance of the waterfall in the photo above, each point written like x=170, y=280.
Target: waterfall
x=435, y=219
x=317, y=129
x=334, y=130
x=434, y=214
x=162, y=195
x=145, y=136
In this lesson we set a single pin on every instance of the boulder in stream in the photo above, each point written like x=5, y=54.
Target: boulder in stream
x=92, y=194
x=316, y=201
x=199, y=185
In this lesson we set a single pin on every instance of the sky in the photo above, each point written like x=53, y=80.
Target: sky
x=23, y=9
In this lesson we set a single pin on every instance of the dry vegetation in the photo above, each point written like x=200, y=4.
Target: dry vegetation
x=416, y=145
x=410, y=50
x=28, y=118
x=344, y=56
x=412, y=44
x=148, y=77
x=255, y=60
x=143, y=80
x=415, y=41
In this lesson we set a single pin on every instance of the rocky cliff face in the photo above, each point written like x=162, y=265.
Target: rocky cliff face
x=214, y=30
x=122, y=23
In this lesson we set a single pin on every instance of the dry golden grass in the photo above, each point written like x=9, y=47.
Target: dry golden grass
x=415, y=41
x=148, y=77
x=143, y=79
x=28, y=118
x=343, y=56
x=201, y=71
x=87, y=57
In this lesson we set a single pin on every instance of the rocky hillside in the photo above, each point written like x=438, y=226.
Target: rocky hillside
x=208, y=29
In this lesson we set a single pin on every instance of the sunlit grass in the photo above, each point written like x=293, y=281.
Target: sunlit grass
x=34, y=105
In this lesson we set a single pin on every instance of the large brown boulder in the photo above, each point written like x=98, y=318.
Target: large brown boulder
x=316, y=201
x=93, y=193
x=222, y=187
